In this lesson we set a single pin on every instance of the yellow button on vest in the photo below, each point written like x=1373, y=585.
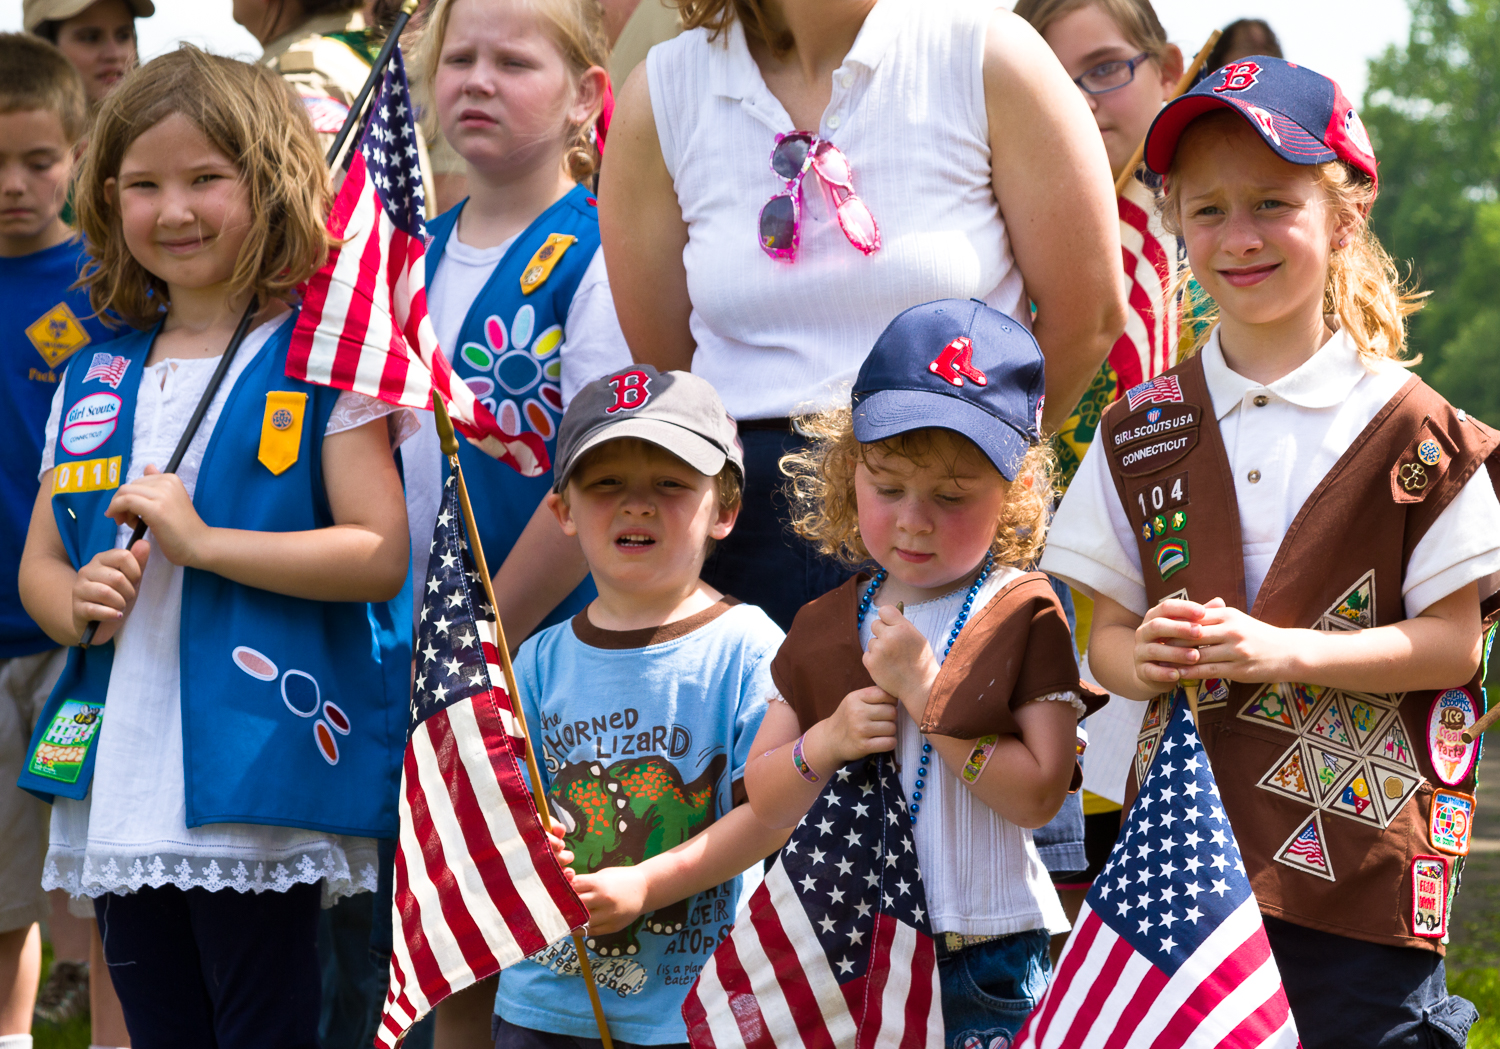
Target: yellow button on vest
x=1261, y=400
x=281, y=430
x=540, y=267
x=1253, y=477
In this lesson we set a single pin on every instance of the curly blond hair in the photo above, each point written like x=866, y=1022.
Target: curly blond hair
x=826, y=513
x=249, y=114
x=1364, y=289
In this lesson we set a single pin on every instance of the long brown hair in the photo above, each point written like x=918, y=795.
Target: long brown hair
x=1135, y=18
x=718, y=15
x=249, y=114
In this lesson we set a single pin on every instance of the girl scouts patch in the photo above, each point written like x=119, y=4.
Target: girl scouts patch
x=1452, y=712
x=281, y=430
x=90, y=422
x=540, y=267
x=1452, y=817
x=1171, y=557
x=65, y=744
x=1429, y=897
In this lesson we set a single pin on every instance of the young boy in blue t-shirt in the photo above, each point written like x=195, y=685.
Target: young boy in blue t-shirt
x=643, y=708
x=44, y=323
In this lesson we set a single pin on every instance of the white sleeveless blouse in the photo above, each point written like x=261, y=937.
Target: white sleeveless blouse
x=908, y=110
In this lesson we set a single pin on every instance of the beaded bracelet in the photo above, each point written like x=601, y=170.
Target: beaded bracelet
x=984, y=746
x=801, y=762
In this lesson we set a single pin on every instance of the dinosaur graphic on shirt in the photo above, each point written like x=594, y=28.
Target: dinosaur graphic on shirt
x=628, y=812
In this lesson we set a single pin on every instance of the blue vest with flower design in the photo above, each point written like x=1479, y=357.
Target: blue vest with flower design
x=510, y=353
x=294, y=712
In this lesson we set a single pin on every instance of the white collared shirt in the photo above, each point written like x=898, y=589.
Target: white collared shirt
x=1278, y=452
x=908, y=110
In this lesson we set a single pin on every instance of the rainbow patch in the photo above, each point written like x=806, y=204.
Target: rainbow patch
x=1171, y=557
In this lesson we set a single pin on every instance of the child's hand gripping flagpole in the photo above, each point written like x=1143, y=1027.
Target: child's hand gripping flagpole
x=1185, y=82
x=449, y=443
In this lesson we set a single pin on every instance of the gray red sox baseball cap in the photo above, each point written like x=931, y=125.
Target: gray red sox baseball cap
x=1302, y=115
x=677, y=411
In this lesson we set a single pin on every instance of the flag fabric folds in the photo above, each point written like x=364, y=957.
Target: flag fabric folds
x=834, y=949
x=1169, y=949
x=476, y=885
x=364, y=323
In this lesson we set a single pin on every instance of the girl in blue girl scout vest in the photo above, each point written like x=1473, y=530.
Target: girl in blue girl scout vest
x=518, y=291
x=237, y=725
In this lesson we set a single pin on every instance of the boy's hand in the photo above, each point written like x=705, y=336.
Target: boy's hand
x=1235, y=645
x=901, y=661
x=615, y=897
x=163, y=503
x=561, y=851
x=105, y=589
x=863, y=724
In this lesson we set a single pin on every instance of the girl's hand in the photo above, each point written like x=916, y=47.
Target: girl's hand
x=105, y=590
x=1235, y=645
x=863, y=724
x=561, y=851
x=1166, y=642
x=615, y=897
x=901, y=661
x=163, y=503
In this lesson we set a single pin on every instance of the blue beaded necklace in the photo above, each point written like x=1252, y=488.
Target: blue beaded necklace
x=958, y=624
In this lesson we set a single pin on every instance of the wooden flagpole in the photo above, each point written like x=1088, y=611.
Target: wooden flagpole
x=1181, y=89
x=1191, y=689
x=449, y=442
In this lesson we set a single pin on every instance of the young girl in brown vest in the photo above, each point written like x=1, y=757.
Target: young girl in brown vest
x=947, y=652
x=1294, y=520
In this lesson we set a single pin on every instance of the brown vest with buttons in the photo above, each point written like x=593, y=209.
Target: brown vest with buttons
x=1331, y=792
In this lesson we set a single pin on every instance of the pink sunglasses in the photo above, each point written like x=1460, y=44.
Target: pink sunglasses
x=781, y=219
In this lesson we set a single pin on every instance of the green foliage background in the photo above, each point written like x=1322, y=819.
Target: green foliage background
x=1433, y=112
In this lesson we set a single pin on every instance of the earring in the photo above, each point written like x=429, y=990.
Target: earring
x=1344, y=242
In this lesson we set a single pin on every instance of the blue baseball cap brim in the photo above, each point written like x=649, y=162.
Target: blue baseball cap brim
x=1287, y=138
x=885, y=414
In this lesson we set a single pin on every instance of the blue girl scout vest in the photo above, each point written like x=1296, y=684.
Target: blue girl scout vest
x=294, y=712
x=509, y=352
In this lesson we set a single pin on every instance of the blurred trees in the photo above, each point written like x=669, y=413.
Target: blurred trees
x=1433, y=111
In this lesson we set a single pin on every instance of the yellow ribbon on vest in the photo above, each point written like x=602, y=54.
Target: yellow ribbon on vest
x=540, y=267
x=281, y=430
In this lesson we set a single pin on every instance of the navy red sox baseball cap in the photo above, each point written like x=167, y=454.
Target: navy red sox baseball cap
x=1300, y=114
x=954, y=364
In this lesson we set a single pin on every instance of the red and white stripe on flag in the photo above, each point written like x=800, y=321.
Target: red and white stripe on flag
x=1153, y=322
x=1106, y=993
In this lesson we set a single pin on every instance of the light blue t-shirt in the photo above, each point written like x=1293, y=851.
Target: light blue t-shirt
x=644, y=735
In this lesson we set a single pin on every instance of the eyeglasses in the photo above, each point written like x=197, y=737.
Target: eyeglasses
x=794, y=154
x=1110, y=76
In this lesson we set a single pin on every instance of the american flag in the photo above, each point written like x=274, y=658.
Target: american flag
x=835, y=949
x=364, y=323
x=1164, y=389
x=476, y=886
x=1152, y=324
x=1169, y=949
x=107, y=368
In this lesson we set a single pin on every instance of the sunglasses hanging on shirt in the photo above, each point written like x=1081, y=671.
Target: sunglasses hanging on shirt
x=794, y=155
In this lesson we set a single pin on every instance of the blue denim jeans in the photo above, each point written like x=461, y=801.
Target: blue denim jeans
x=989, y=989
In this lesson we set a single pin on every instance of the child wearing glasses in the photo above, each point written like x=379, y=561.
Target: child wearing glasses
x=948, y=653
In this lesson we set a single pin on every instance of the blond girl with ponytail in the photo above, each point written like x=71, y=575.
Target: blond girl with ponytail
x=516, y=282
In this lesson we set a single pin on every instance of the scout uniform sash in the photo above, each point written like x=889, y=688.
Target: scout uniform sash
x=509, y=351
x=293, y=711
x=1344, y=803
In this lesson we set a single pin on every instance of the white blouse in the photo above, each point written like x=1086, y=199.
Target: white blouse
x=908, y=110
x=131, y=831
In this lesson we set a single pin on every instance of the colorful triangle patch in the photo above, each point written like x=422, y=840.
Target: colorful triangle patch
x=1356, y=609
x=1353, y=798
x=1289, y=776
x=1305, y=850
x=1328, y=723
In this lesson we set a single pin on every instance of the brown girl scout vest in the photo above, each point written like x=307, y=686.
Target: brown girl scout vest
x=1350, y=809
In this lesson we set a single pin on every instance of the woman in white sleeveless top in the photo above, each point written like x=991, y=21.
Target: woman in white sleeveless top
x=973, y=152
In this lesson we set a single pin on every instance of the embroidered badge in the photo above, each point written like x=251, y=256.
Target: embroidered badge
x=327, y=114
x=1166, y=494
x=547, y=256
x=108, y=369
x=1354, y=799
x=1171, y=558
x=65, y=744
x=57, y=334
x=89, y=423
x=1289, y=777
x=1138, y=456
x=1452, y=712
x=1153, y=422
x=1179, y=520
x=257, y=664
x=90, y=475
x=1158, y=526
x=956, y=363
x=1429, y=897
x=281, y=430
x=1355, y=610
x=1238, y=76
x=1430, y=452
x=1164, y=389
x=1452, y=818
x=1304, y=850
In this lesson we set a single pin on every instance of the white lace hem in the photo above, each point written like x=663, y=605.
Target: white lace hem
x=1064, y=697
x=344, y=871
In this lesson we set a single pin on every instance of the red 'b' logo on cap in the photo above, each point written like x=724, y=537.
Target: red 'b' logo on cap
x=1239, y=75
x=632, y=390
x=956, y=363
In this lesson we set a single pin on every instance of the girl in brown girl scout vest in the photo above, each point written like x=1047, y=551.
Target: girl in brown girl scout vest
x=947, y=653
x=1293, y=519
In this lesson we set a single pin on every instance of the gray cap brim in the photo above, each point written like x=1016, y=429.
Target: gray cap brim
x=702, y=455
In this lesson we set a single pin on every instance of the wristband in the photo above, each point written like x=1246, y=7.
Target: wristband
x=801, y=762
x=984, y=746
